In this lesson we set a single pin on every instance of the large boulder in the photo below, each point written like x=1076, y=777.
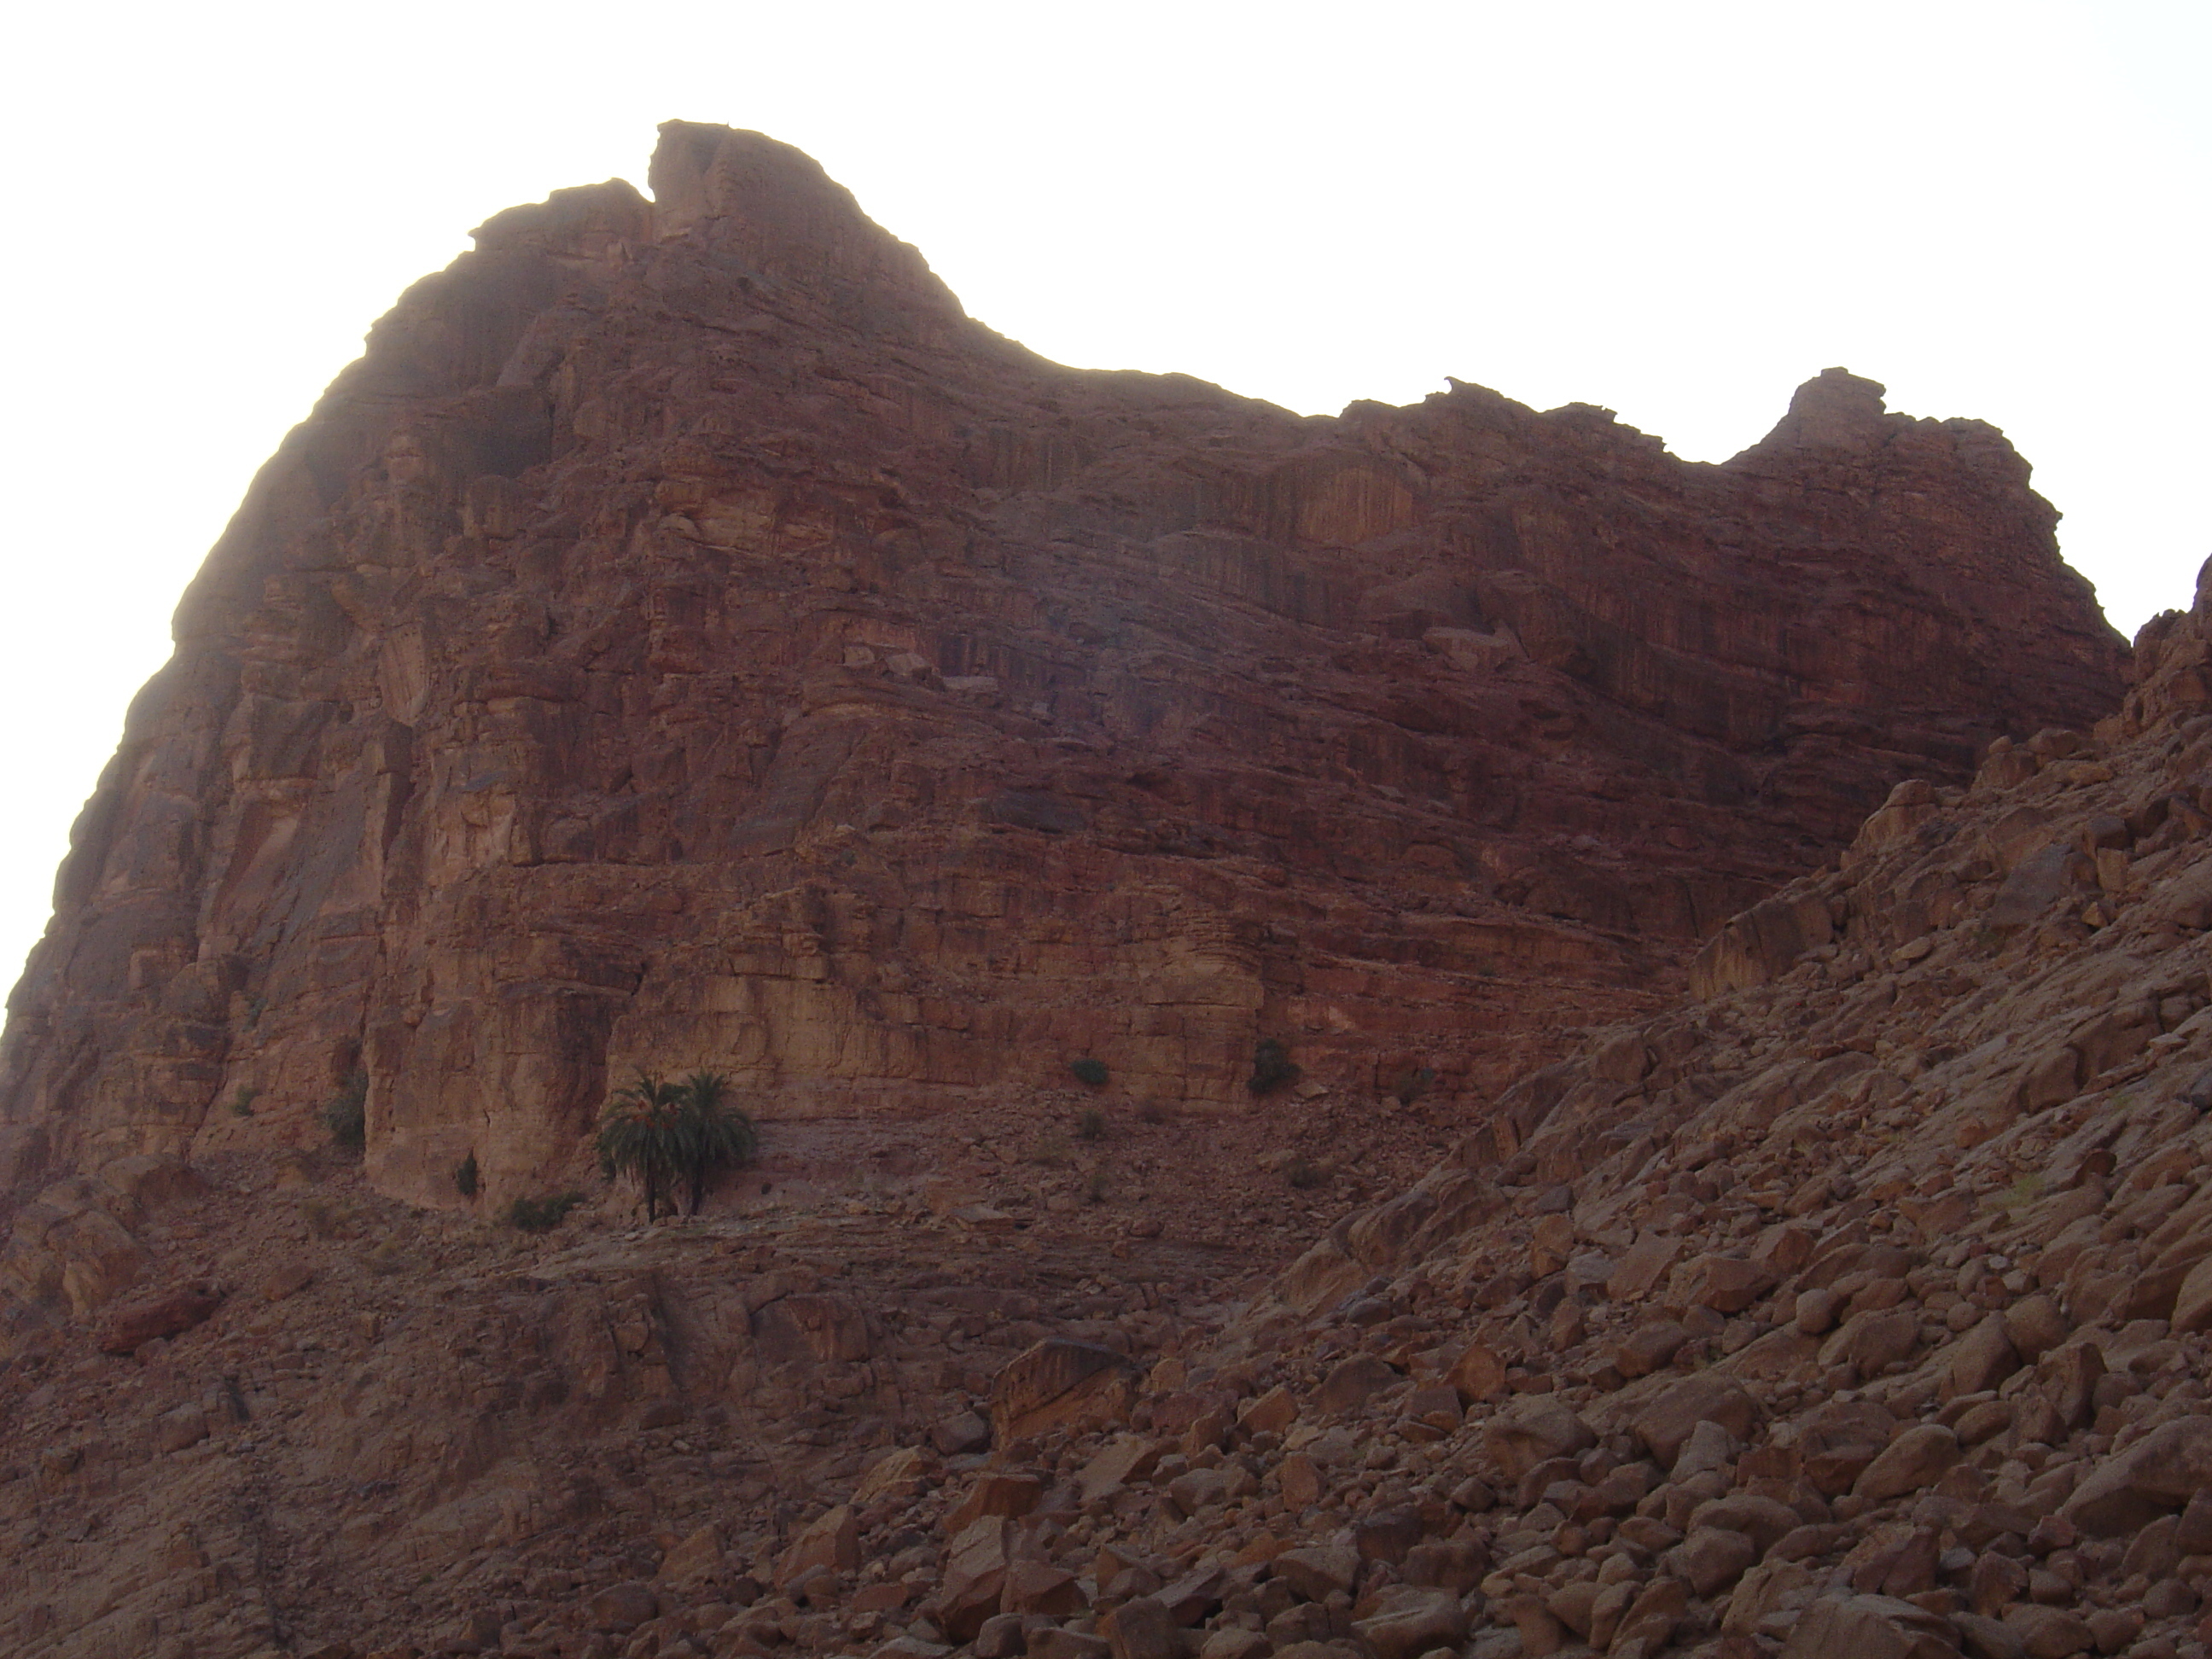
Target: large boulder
x=1869, y=1627
x=1666, y=1419
x=1411, y=1622
x=130, y=1328
x=2158, y=1474
x=1534, y=1433
x=1059, y=1384
x=1918, y=1457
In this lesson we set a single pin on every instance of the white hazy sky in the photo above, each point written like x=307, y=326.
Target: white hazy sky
x=1678, y=210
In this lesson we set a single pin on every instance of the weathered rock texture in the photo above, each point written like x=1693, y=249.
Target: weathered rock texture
x=1862, y=1306
x=685, y=637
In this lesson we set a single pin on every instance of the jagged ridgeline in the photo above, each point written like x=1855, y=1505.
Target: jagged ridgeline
x=685, y=637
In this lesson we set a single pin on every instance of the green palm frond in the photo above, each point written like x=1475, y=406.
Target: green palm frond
x=661, y=1132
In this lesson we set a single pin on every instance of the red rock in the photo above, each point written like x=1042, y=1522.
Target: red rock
x=1124, y=1459
x=1008, y=1495
x=1455, y=1564
x=1350, y=1383
x=1840, y=1440
x=1268, y=1413
x=1531, y=1433
x=1059, y=1384
x=1711, y=1559
x=1038, y=1587
x=1727, y=1284
x=1665, y=1419
x=1643, y=1264
x=1478, y=1375
x=131, y=1328
x=963, y=1431
x=1869, y=1627
x=2159, y=1473
x=975, y=1578
x=1917, y=1458
x=831, y=1541
x=1982, y=1358
x=1649, y=1346
x=621, y=1608
x=616, y=671
x=1142, y=1628
x=1300, y=1480
x=1314, y=1573
x=1412, y=1622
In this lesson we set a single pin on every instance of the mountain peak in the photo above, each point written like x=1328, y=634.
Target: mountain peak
x=772, y=206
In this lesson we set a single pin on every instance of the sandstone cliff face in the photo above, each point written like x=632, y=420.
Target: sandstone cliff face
x=1860, y=1304
x=684, y=637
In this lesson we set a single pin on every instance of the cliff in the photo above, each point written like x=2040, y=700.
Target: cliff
x=685, y=638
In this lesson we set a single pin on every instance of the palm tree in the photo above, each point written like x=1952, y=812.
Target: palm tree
x=664, y=1133
x=714, y=1132
x=641, y=1134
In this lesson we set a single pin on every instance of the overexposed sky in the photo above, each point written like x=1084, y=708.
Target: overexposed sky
x=1678, y=210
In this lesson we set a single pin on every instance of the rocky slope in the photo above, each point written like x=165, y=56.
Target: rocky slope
x=1857, y=1305
x=685, y=638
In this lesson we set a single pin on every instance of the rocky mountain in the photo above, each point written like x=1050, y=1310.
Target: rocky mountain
x=1744, y=940
x=686, y=638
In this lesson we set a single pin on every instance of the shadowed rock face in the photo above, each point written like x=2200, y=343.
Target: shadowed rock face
x=684, y=637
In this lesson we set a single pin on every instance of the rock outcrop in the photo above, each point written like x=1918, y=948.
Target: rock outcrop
x=1862, y=1307
x=686, y=637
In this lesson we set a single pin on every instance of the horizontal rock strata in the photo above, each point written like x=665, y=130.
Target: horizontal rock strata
x=685, y=637
x=1858, y=1305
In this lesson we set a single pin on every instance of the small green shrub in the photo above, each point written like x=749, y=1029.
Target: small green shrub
x=1412, y=1083
x=1052, y=1151
x=241, y=1102
x=542, y=1215
x=465, y=1177
x=346, y=1114
x=1090, y=1126
x=1303, y=1174
x=386, y=1258
x=1271, y=1068
x=1095, y=1189
x=1090, y=1073
x=1151, y=1111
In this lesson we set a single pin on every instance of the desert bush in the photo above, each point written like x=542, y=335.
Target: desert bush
x=1410, y=1085
x=1271, y=1068
x=1305, y=1175
x=1090, y=1073
x=1096, y=1186
x=346, y=1113
x=1090, y=1126
x=664, y=1133
x=465, y=1177
x=241, y=1101
x=542, y=1215
x=386, y=1258
x=1052, y=1151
